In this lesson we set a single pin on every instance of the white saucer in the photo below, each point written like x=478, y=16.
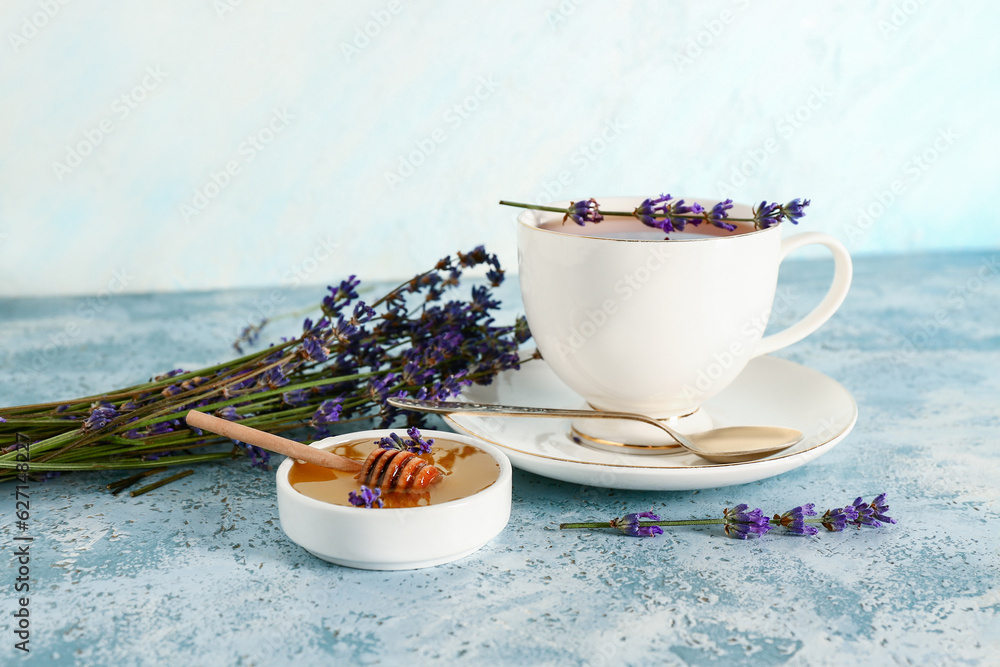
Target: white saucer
x=769, y=392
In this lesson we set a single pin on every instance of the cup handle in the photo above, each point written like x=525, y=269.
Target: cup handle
x=842, y=272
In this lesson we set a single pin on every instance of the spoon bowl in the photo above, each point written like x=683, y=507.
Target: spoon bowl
x=733, y=444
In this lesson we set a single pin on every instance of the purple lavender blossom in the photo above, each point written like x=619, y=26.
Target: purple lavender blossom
x=717, y=216
x=274, y=377
x=794, y=520
x=871, y=514
x=101, y=414
x=672, y=213
x=329, y=412
x=259, y=458
x=228, y=413
x=159, y=428
x=767, y=215
x=295, y=397
x=313, y=349
x=366, y=498
x=741, y=524
x=582, y=212
x=631, y=524
x=647, y=210
x=362, y=313
x=416, y=444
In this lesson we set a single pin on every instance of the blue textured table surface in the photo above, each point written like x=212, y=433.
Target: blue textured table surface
x=199, y=572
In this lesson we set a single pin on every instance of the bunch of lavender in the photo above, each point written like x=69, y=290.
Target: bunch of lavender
x=340, y=369
x=673, y=215
x=742, y=523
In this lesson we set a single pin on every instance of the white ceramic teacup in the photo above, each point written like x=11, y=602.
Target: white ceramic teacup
x=656, y=326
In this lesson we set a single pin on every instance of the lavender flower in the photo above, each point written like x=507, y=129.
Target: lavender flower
x=795, y=209
x=835, y=520
x=582, y=212
x=767, y=215
x=295, y=397
x=794, y=520
x=366, y=498
x=313, y=349
x=717, y=216
x=329, y=411
x=416, y=444
x=881, y=508
x=259, y=458
x=741, y=524
x=668, y=215
x=631, y=524
x=101, y=414
x=871, y=514
x=249, y=335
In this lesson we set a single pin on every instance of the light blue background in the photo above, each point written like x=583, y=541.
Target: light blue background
x=608, y=98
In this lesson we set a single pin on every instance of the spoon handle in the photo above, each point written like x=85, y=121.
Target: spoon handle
x=271, y=442
x=487, y=409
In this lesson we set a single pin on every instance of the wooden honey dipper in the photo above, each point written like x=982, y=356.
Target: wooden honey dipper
x=390, y=469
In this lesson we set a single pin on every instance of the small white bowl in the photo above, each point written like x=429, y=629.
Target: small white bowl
x=404, y=538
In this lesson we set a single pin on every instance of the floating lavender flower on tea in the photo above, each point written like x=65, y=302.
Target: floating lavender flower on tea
x=366, y=498
x=631, y=524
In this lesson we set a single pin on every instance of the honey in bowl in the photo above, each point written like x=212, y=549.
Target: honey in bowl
x=465, y=470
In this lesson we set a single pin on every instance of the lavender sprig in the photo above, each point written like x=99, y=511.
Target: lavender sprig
x=673, y=215
x=741, y=522
x=421, y=339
